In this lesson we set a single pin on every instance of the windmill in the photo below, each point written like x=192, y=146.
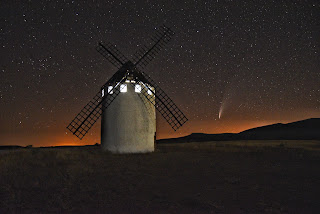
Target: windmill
x=128, y=123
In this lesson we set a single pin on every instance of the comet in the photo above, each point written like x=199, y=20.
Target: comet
x=220, y=111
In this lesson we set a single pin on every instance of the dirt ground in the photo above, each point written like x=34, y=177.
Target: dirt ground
x=208, y=177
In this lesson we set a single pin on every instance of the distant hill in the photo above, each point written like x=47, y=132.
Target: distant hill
x=14, y=147
x=301, y=130
x=7, y=147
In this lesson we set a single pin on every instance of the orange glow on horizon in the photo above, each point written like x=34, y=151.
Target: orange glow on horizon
x=63, y=138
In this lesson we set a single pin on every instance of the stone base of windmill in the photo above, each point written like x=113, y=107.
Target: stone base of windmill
x=129, y=146
x=128, y=125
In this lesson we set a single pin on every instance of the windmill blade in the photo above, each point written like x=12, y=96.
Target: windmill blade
x=89, y=115
x=144, y=56
x=112, y=54
x=167, y=108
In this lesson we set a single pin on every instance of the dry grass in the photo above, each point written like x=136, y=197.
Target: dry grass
x=208, y=177
x=248, y=145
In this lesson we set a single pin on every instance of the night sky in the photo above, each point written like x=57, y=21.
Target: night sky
x=255, y=62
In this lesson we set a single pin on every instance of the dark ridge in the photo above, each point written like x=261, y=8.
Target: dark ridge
x=300, y=130
x=63, y=147
x=7, y=147
x=200, y=137
x=308, y=129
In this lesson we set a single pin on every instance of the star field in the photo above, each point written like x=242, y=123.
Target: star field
x=258, y=61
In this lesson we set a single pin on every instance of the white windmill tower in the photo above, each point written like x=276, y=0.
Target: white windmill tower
x=129, y=122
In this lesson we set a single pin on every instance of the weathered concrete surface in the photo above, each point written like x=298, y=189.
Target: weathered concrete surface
x=128, y=125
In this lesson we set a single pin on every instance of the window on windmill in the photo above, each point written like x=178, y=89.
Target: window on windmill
x=150, y=92
x=123, y=88
x=102, y=92
x=110, y=91
x=137, y=88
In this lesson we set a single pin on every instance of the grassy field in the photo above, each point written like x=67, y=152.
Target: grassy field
x=207, y=177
